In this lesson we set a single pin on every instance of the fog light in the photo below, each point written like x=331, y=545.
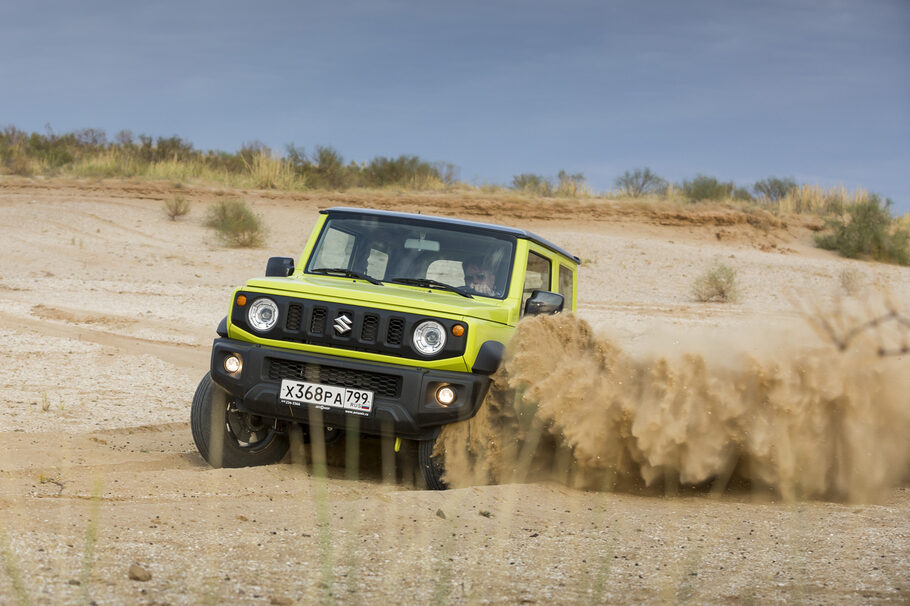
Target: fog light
x=445, y=395
x=232, y=364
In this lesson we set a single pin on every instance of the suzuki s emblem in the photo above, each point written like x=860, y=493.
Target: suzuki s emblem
x=343, y=324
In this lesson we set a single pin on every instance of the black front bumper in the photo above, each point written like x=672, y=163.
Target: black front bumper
x=404, y=402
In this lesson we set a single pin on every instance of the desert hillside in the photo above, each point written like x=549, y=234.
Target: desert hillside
x=108, y=312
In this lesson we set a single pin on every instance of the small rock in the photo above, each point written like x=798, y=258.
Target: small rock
x=485, y=513
x=138, y=573
x=281, y=601
x=440, y=514
x=74, y=582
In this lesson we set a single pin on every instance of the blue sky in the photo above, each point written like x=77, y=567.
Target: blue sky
x=814, y=89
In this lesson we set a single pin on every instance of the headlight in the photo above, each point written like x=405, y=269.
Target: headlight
x=263, y=315
x=429, y=338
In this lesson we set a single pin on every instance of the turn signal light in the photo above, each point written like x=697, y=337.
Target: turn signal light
x=241, y=300
x=457, y=330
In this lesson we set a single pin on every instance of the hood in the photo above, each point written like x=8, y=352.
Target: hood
x=407, y=298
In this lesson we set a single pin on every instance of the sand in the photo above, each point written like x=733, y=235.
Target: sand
x=108, y=311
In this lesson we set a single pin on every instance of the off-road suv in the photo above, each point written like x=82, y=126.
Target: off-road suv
x=391, y=325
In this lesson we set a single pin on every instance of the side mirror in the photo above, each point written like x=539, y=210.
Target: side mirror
x=544, y=302
x=280, y=267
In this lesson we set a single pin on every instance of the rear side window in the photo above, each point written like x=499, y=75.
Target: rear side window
x=565, y=285
x=537, y=277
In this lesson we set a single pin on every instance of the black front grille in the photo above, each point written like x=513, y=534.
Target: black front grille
x=295, y=314
x=396, y=331
x=317, y=322
x=370, y=328
x=379, y=383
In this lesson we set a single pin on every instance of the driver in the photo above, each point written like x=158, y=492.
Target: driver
x=478, y=278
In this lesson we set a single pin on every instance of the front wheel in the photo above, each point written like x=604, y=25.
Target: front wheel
x=227, y=437
x=431, y=466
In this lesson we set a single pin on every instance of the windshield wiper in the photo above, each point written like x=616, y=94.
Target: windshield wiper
x=348, y=273
x=431, y=284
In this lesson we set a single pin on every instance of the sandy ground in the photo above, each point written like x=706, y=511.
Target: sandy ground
x=108, y=311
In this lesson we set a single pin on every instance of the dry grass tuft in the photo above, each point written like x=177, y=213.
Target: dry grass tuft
x=717, y=285
x=178, y=206
x=818, y=200
x=271, y=172
x=851, y=280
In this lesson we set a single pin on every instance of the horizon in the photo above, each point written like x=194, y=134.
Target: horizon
x=814, y=90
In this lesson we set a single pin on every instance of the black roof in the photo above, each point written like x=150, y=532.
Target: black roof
x=500, y=229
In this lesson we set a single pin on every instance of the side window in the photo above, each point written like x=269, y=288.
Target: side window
x=565, y=285
x=335, y=250
x=537, y=277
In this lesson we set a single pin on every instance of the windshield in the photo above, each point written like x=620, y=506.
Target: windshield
x=396, y=250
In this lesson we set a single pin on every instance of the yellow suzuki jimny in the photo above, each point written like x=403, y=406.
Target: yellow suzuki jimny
x=390, y=325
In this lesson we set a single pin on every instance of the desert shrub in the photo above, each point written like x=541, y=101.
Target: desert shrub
x=742, y=194
x=328, y=169
x=400, y=171
x=536, y=185
x=774, y=189
x=447, y=172
x=571, y=185
x=177, y=206
x=703, y=187
x=718, y=284
x=640, y=182
x=235, y=223
x=167, y=148
x=867, y=230
x=325, y=169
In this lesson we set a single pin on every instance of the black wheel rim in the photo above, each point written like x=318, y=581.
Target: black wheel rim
x=249, y=432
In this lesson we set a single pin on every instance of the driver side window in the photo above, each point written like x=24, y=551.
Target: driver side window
x=335, y=250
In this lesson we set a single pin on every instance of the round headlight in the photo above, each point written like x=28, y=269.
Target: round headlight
x=429, y=338
x=263, y=314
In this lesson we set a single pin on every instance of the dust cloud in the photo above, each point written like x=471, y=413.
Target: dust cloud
x=805, y=422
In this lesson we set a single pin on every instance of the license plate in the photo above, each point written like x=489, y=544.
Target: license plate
x=354, y=401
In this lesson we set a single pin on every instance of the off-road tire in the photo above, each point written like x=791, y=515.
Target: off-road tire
x=431, y=467
x=210, y=427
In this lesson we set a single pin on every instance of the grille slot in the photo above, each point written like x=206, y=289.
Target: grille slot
x=317, y=322
x=379, y=383
x=295, y=315
x=370, y=328
x=396, y=331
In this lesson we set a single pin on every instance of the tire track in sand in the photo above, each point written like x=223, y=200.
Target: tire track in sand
x=183, y=356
